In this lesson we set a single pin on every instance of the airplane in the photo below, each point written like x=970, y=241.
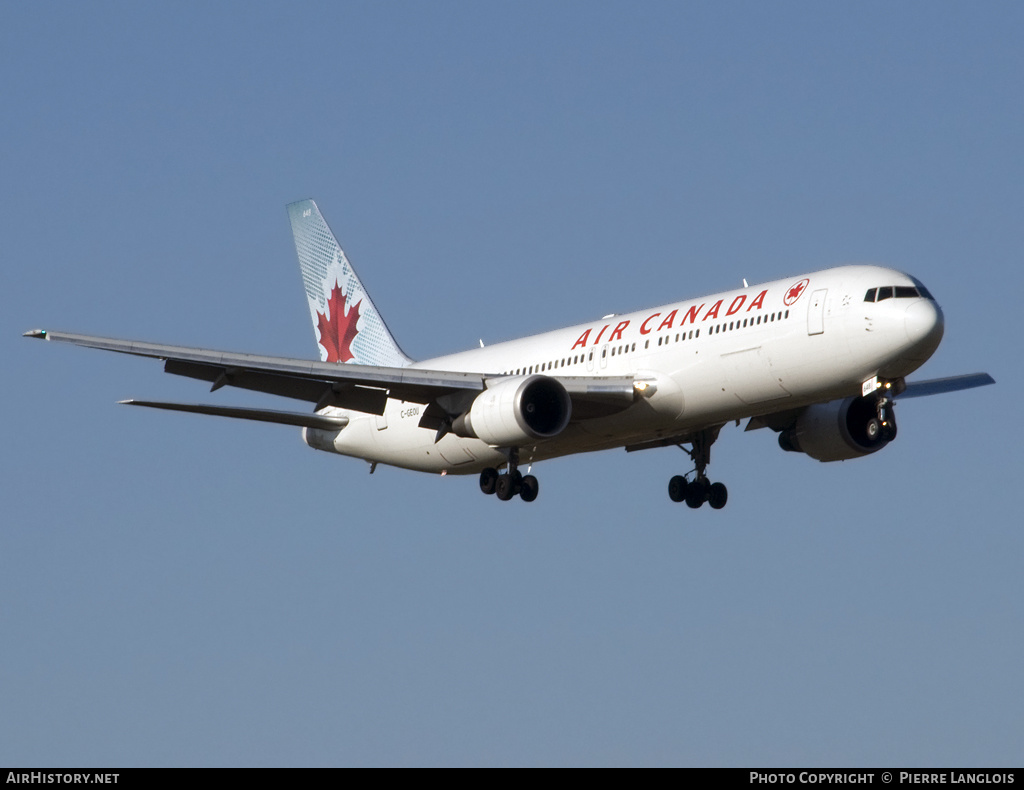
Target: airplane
x=818, y=358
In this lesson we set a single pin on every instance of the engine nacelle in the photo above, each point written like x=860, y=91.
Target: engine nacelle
x=839, y=430
x=517, y=411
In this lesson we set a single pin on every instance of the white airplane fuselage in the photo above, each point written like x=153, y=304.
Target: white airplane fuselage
x=754, y=351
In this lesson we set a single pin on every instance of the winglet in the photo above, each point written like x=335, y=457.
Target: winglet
x=40, y=333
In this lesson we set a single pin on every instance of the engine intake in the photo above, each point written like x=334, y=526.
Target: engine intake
x=517, y=411
x=840, y=430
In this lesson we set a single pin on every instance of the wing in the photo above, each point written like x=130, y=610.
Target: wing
x=785, y=419
x=364, y=388
x=916, y=389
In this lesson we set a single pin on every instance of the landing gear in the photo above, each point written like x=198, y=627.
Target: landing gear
x=699, y=490
x=506, y=485
x=488, y=480
x=886, y=419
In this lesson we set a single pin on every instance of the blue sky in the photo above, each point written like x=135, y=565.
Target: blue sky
x=181, y=590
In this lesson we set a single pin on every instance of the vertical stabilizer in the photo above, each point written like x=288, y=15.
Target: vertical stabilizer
x=347, y=326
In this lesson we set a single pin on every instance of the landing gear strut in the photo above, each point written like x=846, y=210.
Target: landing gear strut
x=699, y=490
x=509, y=483
x=884, y=425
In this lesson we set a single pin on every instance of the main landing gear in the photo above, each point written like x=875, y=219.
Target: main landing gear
x=699, y=490
x=509, y=483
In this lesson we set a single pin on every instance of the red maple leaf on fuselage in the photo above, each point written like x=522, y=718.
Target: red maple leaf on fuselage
x=338, y=331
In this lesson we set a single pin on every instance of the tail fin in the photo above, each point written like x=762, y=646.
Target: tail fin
x=348, y=327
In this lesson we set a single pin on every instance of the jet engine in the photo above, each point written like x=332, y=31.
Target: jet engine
x=841, y=429
x=516, y=411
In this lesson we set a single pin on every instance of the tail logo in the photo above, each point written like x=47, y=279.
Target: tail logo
x=338, y=328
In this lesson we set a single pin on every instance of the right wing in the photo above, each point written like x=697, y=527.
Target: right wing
x=916, y=389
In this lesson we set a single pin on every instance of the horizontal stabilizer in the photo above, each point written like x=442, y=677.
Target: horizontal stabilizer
x=917, y=389
x=300, y=419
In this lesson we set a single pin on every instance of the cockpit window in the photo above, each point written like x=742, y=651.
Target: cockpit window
x=898, y=292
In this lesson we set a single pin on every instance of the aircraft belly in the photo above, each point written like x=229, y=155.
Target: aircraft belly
x=397, y=440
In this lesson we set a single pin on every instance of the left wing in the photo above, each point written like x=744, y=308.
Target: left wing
x=364, y=388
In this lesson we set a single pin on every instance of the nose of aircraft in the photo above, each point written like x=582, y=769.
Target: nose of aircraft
x=925, y=325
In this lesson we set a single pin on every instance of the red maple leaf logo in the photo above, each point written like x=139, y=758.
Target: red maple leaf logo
x=794, y=293
x=338, y=331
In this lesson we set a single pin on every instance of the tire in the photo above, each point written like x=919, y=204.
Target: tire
x=488, y=480
x=873, y=429
x=504, y=488
x=677, y=488
x=696, y=493
x=529, y=488
x=718, y=495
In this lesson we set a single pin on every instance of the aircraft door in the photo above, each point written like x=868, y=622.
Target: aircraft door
x=590, y=359
x=816, y=313
x=604, y=355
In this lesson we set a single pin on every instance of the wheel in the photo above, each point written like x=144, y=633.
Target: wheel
x=488, y=479
x=505, y=488
x=529, y=488
x=873, y=429
x=696, y=493
x=677, y=488
x=718, y=495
